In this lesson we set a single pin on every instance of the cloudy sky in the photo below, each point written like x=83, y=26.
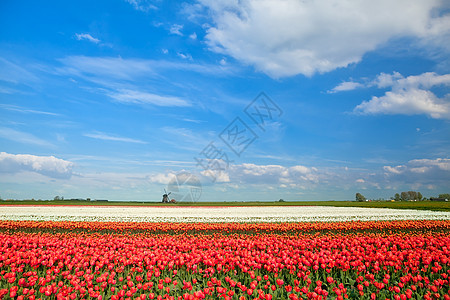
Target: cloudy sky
x=258, y=100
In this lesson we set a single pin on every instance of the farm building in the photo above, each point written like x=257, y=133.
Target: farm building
x=439, y=199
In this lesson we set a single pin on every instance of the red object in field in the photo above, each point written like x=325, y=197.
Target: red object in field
x=173, y=201
x=318, y=260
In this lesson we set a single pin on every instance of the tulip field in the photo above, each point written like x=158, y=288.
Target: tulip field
x=67, y=252
x=400, y=259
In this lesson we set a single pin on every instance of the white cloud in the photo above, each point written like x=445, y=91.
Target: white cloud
x=165, y=51
x=259, y=170
x=193, y=120
x=420, y=172
x=162, y=178
x=301, y=169
x=195, y=12
x=100, y=69
x=107, y=137
x=271, y=174
x=409, y=96
x=106, y=67
x=216, y=175
x=142, y=5
x=394, y=170
x=285, y=38
x=46, y=165
x=176, y=29
x=386, y=80
x=15, y=73
x=185, y=138
x=440, y=163
x=26, y=110
x=420, y=169
x=268, y=175
x=415, y=172
x=87, y=37
x=8, y=91
x=22, y=137
x=185, y=56
x=346, y=86
x=410, y=102
x=193, y=36
x=424, y=81
x=138, y=97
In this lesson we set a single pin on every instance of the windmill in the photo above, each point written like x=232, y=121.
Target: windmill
x=165, y=198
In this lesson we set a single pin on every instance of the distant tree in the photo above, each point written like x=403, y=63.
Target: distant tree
x=412, y=195
x=444, y=196
x=281, y=200
x=419, y=196
x=62, y=197
x=360, y=198
x=57, y=198
x=409, y=195
x=404, y=196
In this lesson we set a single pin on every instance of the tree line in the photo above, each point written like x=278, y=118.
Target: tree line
x=408, y=196
x=404, y=196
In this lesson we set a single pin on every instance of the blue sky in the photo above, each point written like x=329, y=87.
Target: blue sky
x=113, y=99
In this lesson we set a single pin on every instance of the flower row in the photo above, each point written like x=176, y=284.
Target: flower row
x=117, y=227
